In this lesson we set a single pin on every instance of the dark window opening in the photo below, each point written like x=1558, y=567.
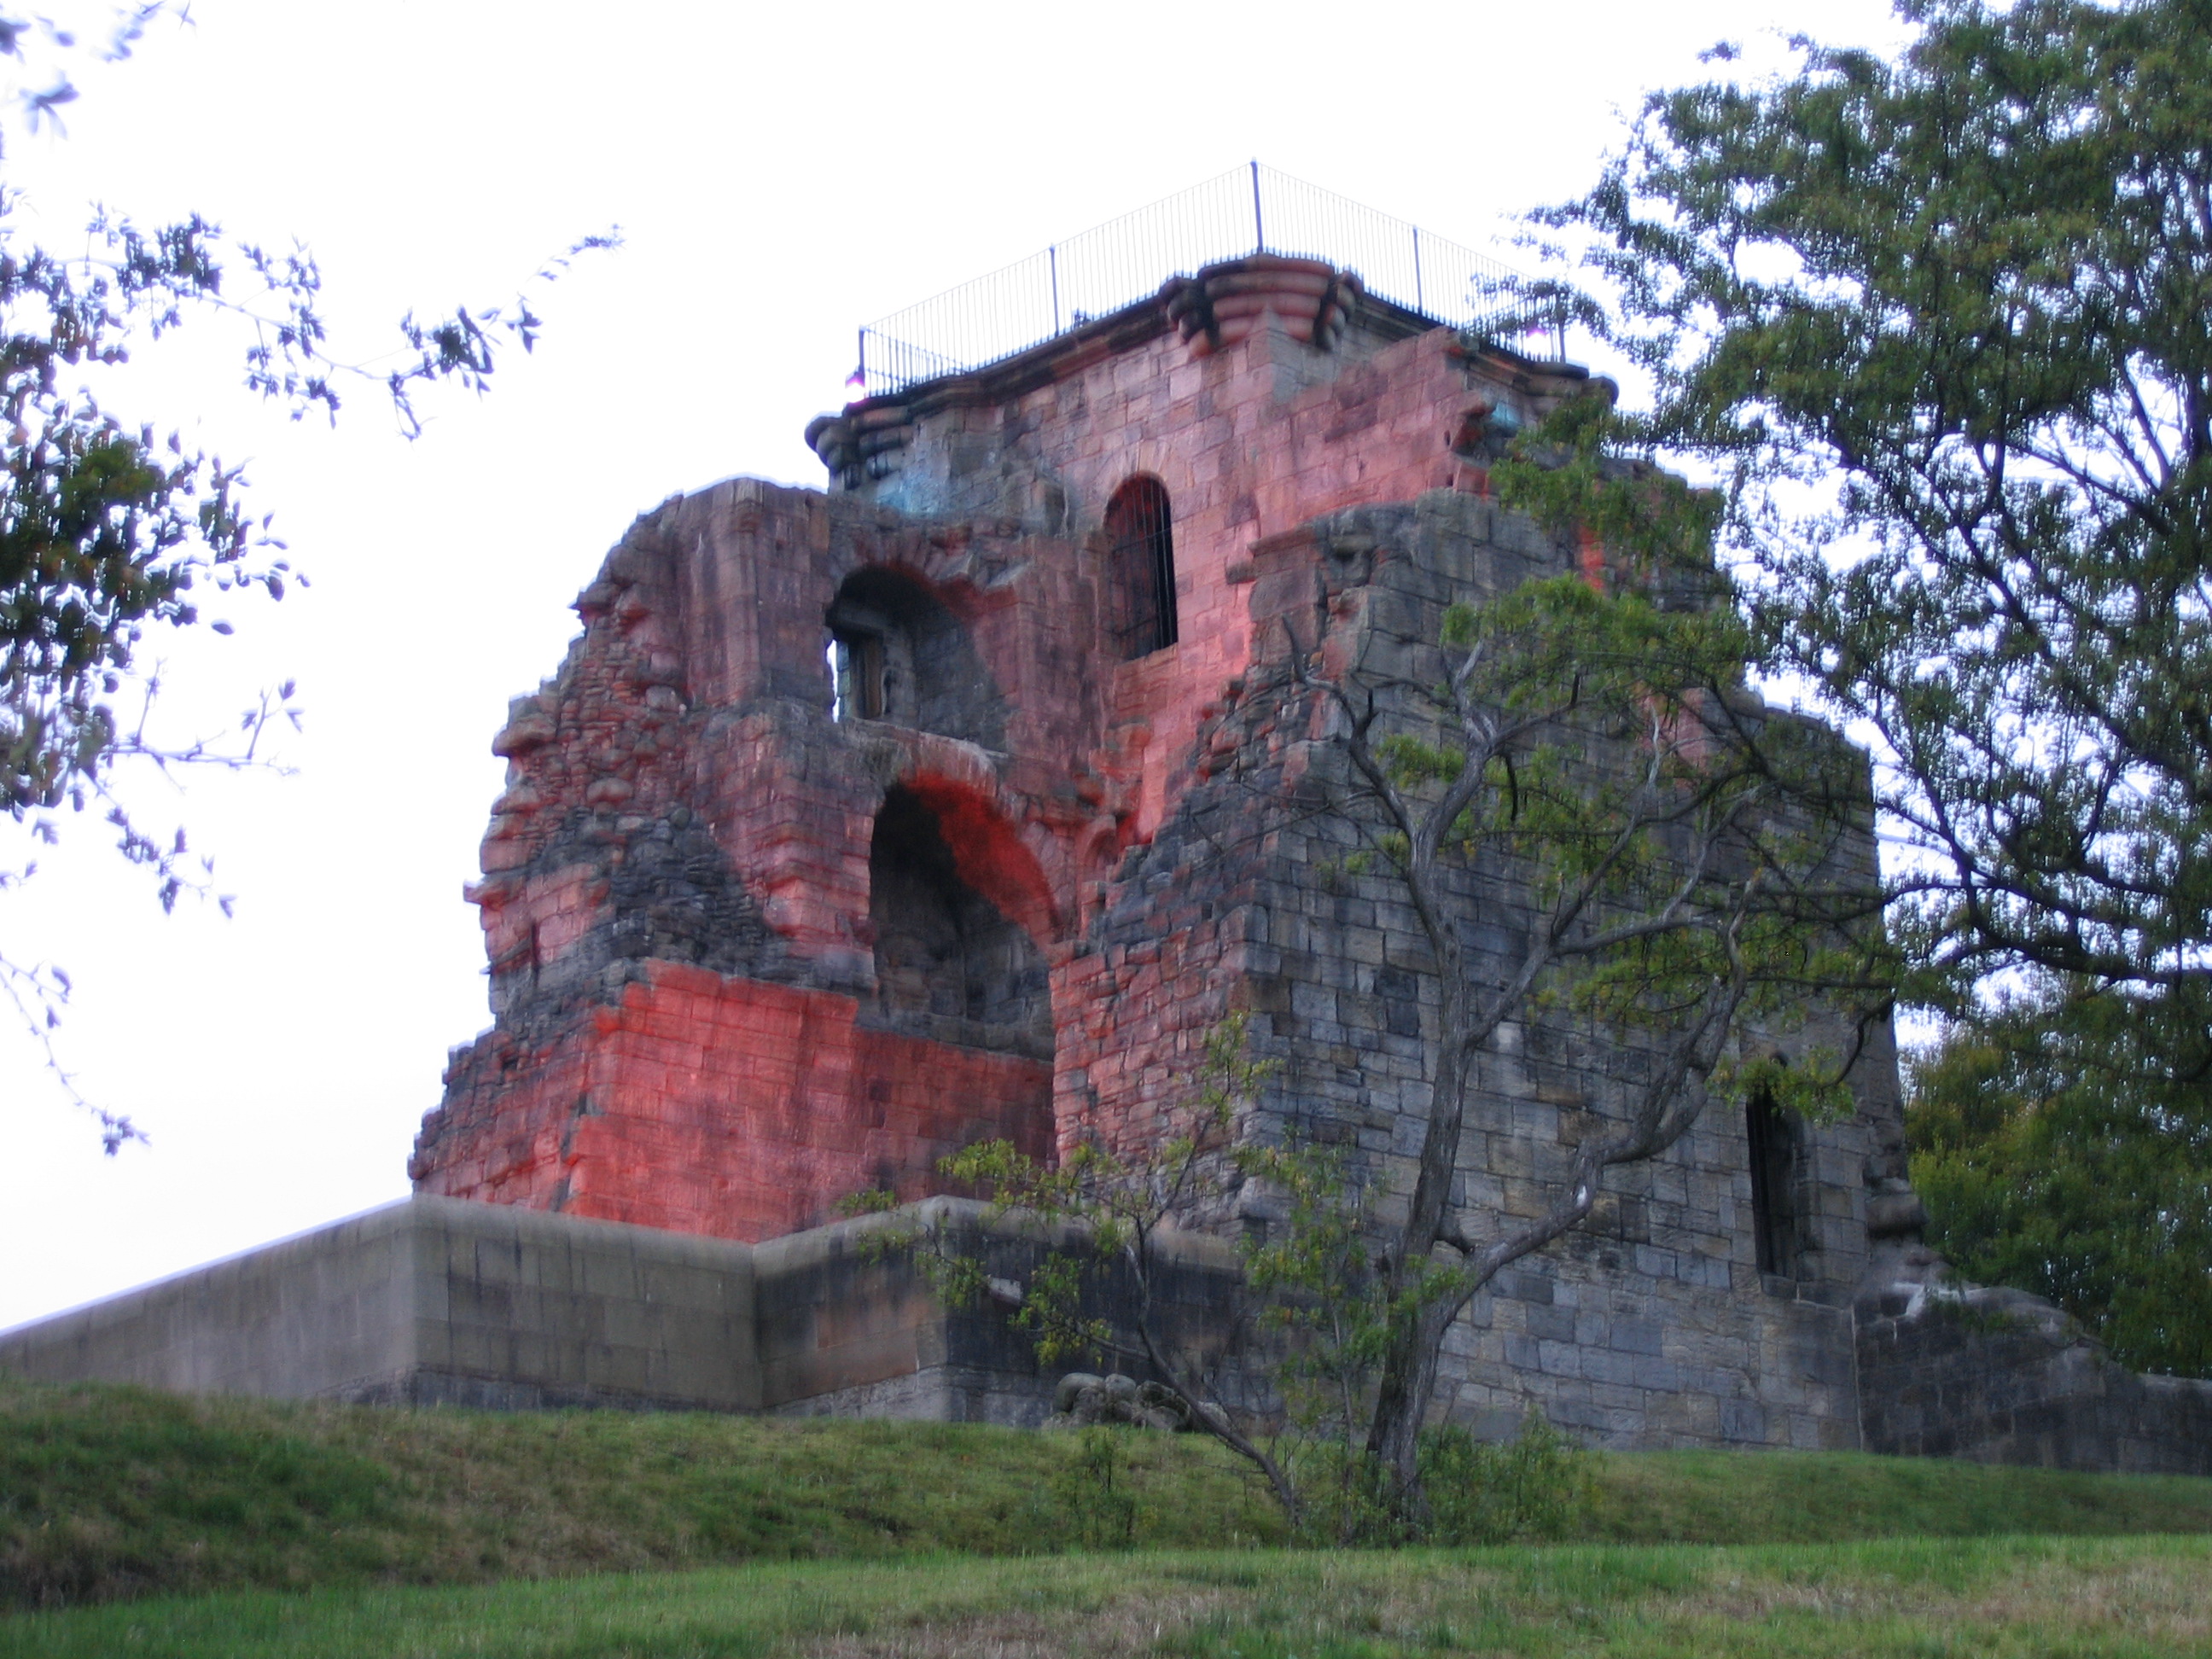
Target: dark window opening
x=1776, y=1141
x=896, y=653
x=1140, y=563
x=950, y=964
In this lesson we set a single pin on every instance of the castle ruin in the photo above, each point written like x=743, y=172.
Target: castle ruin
x=862, y=825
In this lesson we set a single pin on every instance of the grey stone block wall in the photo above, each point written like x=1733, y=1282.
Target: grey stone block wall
x=327, y=1312
x=435, y=1301
x=2001, y=1376
x=432, y=1300
x=849, y=1328
x=1617, y=1359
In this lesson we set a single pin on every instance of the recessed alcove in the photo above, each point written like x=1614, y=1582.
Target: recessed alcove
x=950, y=964
x=897, y=654
x=1777, y=1137
x=1140, y=567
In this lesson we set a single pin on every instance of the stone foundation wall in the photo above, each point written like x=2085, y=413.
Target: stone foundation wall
x=431, y=1301
x=2001, y=1377
x=435, y=1302
x=849, y=1329
x=438, y=1301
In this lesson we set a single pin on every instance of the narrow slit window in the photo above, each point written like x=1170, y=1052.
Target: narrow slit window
x=1141, y=567
x=857, y=670
x=1774, y=1138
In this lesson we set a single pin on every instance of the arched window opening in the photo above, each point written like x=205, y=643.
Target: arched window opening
x=1140, y=563
x=895, y=653
x=1777, y=1144
x=950, y=964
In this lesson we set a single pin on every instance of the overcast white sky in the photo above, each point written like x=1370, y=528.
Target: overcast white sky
x=781, y=176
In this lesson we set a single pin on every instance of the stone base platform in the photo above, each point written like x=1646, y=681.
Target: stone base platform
x=439, y=1301
x=1948, y=1369
x=442, y=1301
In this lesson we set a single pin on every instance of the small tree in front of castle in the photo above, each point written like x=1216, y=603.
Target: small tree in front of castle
x=1694, y=860
x=1123, y=1208
x=1314, y=1304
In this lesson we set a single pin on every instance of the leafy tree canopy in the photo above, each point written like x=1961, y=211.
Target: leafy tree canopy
x=2057, y=1152
x=1942, y=330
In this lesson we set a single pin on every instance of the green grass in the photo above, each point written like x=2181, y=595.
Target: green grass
x=109, y=1494
x=1807, y=1497
x=2000, y=1598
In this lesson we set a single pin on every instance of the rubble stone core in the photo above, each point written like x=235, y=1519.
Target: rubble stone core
x=851, y=832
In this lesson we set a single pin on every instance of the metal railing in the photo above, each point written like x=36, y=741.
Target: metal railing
x=1251, y=208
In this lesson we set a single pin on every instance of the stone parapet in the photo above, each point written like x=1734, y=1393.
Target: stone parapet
x=435, y=1301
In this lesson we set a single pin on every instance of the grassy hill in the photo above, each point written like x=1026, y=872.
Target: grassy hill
x=108, y=1493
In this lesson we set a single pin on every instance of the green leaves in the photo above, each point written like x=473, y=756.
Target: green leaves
x=1599, y=745
x=2068, y=1150
x=1941, y=329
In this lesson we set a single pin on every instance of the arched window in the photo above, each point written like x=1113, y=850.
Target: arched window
x=1774, y=1137
x=1140, y=563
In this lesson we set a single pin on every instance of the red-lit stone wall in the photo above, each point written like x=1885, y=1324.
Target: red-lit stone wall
x=710, y=1105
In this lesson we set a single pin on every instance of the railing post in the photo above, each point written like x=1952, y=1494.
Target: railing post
x=861, y=370
x=1052, y=255
x=1259, y=230
x=1417, y=304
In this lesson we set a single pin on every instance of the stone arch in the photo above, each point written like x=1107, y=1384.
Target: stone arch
x=1140, y=567
x=959, y=915
x=897, y=653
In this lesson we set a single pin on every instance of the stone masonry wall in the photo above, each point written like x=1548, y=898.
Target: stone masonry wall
x=428, y=1301
x=1994, y=1376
